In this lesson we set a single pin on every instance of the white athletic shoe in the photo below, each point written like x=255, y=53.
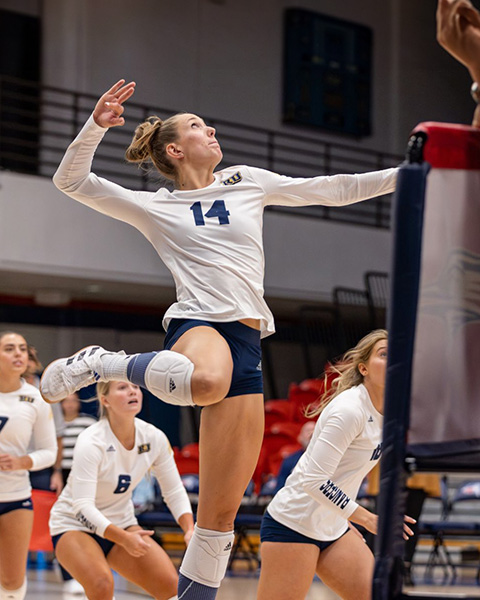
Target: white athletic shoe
x=73, y=587
x=64, y=376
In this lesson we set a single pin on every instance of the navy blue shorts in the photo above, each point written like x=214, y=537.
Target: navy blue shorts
x=105, y=545
x=273, y=531
x=6, y=507
x=244, y=343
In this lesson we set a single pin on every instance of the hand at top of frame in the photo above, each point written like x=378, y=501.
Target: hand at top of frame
x=458, y=31
x=109, y=109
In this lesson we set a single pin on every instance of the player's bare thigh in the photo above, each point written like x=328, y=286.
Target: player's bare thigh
x=287, y=570
x=154, y=571
x=210, y=353
x=347, y=567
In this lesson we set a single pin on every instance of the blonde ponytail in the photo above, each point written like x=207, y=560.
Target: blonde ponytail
x=346, y=371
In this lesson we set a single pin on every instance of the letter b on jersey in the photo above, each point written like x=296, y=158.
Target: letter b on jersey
x=123, y=484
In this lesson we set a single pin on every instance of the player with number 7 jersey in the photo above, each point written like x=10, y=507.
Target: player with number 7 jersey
x=208, y=232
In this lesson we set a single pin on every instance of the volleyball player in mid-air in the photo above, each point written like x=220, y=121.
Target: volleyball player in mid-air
x=93, y=525
x=306, y=527
x=208, y=232
x=23, y=416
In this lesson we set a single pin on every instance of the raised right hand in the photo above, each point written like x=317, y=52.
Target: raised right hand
x=458, y=31
x=108, y=110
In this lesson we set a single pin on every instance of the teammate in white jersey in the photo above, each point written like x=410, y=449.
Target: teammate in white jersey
x=93, y=525
x=23, y=414
x=208, y=231
x=306, y=527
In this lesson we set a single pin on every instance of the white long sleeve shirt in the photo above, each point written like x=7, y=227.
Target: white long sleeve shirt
x=104, y=474
x=211, y=238
x=24, y=415
x=319, y=495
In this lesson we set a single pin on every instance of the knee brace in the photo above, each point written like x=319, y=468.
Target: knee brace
x=18, y=594
x=168, y=376
x=206, y=558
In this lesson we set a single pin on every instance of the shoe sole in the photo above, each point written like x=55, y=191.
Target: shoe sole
x=51, y=365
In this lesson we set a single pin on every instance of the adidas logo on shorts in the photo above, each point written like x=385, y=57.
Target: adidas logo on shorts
x=370, y=419
x=171, y=385
x=111, y=448
x=228, y=547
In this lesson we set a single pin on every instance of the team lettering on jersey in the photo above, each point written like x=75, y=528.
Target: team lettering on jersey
x=335, y=494
x=233, y=179
x=123, y=484
x=3, y=422
x=377, y=452
x=26, y=399
x=144, y=448
x=84, y=521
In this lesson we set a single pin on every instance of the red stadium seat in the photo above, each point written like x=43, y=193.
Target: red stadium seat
x=275, y=461
x=190, y=451
x=308, y=393
x=278, y=410
x=187, y=459
x=280, y=434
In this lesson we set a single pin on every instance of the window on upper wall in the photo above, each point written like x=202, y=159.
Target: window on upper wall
x=19, y=91
x=327, y=73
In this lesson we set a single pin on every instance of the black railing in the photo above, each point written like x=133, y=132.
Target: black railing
x=38, y=122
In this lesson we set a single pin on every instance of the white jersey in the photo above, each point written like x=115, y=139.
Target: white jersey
x=104, y=474
x=24, y=415
x=211, y=238
x=319, y=495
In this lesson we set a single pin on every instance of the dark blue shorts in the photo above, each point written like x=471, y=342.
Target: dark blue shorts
x=244, y=343
x=273, y=531
x=6, y=507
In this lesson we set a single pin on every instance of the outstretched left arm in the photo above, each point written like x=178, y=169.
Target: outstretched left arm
x=333, y=190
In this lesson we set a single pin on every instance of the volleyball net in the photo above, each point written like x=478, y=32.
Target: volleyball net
x=432, y=397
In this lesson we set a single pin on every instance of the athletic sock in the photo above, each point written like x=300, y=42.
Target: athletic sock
x=115, y=364
x=18, y=594
x=191, y=590
x=204, y=564
x=137, y=365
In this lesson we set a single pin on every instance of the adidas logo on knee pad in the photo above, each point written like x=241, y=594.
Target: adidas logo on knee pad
x=168, y=376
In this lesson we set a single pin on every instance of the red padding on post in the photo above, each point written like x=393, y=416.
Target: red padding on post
x=451, y=146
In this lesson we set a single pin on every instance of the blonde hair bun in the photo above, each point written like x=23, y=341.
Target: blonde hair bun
x=140, y=150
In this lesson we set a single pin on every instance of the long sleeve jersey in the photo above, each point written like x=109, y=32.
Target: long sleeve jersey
x=319, y=495
x=210, y=238
x=25, y=415
x=104, y=474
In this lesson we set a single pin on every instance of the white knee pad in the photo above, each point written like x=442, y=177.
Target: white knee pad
x=169, y=376
x=18, y=594
x=206, y=558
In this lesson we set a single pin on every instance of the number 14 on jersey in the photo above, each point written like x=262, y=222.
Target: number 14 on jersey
x=217, y=210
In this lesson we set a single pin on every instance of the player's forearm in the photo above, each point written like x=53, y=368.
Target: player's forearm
x=365, y=518
x=186, y=522
x=115, y=534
